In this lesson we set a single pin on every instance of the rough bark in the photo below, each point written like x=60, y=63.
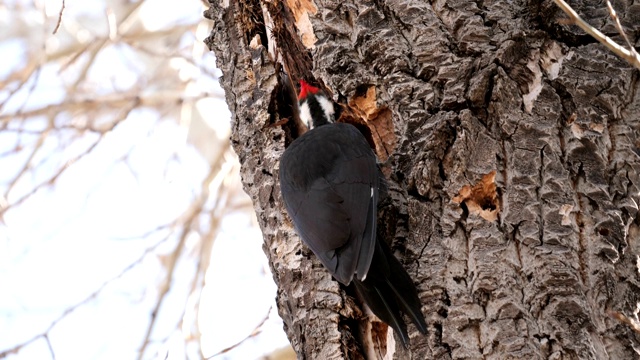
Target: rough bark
x=511, y=144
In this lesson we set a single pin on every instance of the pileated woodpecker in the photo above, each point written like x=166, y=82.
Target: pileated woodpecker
x=329, y=181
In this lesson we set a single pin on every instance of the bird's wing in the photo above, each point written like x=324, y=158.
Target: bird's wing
x=335, y=214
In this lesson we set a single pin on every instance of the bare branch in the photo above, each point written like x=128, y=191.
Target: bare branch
x=624, y=319
x=67, y=164
x=253, y=333
x=53, y=354
x=86, y=300
x=190, y=218
x=27, y=164
x=39, y=122
x=59, y=18
x=109, y=102
x=51, y=179
x=616, y=21
x=631, y=57
x=166, y=286
x=22, y=77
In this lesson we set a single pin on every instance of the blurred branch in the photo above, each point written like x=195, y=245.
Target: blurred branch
x=47, y=182
x=625, y=320
x=253, y=333
x=51, y=180
x=53, y=354
x=110, y=102
x=93, y=295
x=22, y=76
x=631, y=56
x=163, y=74
x=190, y=217
x=215, y=216
x=26, y=166
x=166, y=286
x=203, y=254
x=59, y=18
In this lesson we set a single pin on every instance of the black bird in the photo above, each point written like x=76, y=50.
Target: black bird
x=330, y=181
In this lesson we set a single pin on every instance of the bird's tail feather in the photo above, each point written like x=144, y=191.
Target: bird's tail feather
x=388, y=290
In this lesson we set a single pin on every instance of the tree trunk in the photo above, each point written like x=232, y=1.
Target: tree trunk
x=511, y=146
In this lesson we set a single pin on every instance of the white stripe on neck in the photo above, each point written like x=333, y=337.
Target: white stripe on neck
x=305, y=114
x=327, y=107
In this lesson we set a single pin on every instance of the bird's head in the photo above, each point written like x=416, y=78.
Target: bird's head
x=316, y=108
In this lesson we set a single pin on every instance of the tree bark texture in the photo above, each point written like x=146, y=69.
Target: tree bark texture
x=511, y=144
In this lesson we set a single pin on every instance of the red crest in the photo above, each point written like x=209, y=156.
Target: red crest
x=306, y=89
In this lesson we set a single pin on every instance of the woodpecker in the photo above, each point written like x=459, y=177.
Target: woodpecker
x=330, y=182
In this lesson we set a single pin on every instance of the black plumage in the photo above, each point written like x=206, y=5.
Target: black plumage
x=329, y=181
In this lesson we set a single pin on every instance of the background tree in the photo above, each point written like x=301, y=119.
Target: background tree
x=124, y=230
x=510, y=140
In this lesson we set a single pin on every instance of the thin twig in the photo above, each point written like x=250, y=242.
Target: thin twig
x=253, y=333
x=59, y=18
x=109, y=102
x=616, y=20
x=624, y=319
x=632, y=59
x=48, y=341
x=22, y=76
x=28, y=163
x=166, y=286
x=51, y=179
x=190, y=216
x=86, y=300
